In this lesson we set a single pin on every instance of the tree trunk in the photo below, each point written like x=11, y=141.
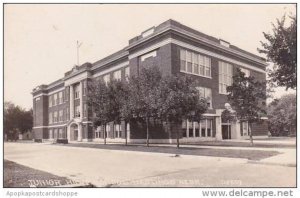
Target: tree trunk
x=250, y=133
x=104, y=134
x=177, y=138
x=147, y=126
x=125, y=133
x=228, y=132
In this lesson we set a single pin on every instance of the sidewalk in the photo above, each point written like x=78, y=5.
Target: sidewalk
x=286, y=156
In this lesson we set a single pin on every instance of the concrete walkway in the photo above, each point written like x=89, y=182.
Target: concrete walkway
x=287, y=156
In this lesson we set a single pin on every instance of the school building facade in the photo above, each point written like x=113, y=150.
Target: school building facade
x=60, y=108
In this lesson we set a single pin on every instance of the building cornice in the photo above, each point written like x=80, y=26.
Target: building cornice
x=197, y=49
x=122, y=55
x=205, y=41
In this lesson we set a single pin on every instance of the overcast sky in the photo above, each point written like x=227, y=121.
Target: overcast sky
x=40, y=40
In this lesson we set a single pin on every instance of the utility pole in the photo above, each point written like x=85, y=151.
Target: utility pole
x=78, y=46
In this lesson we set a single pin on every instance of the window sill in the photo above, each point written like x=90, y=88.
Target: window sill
x=209, y=77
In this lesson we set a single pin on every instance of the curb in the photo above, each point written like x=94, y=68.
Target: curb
x=272, y=163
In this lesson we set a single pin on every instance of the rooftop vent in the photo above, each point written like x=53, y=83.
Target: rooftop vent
x=148, y=32
x=224, y=43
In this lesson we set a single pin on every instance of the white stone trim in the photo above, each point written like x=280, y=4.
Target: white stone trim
x=109, y=61
x=197, y=49
x=209, y=114
x=77, y=78
x=41, y=94
x=52, y=126
x=116, y=67
x=151, y=48
x=152, y=141
x=57, y=90
x=148, y=55
x=58, y=83
x=86, y=122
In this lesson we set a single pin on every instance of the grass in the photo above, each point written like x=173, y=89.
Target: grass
x=18, y=176
x=231, y=153
x=257, y=144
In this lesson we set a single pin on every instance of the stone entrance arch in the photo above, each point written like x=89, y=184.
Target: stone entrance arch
x=74, y=132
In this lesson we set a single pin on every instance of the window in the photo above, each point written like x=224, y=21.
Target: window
x=84, y=87
x=203, y=128
x=55, y=100
x=50, y=101
x=77, y=91
x=117, y=75
x=60, y=133
x=189, y=62
x=107, y=130
x=67, y=94
x=84, y=110
x=127, y=73
x=183, y=60
x=97, y=132
x=106, y=78
x=60, y=97
x=246, y=72
x=197, y=129
x=195, y=63
x=77, y=111
x=50, y=134
x=67, y=113
x=225, y=76
x=55, y=135
x=244, y=129
x=55, y=117
x=60, y=118
x=207, y=66
x=50, y=118
x=118, y=131
x=206, y=93
x=184, y=125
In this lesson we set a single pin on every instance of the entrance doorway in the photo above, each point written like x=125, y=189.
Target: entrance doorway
x=226, y=132
x=74, y=132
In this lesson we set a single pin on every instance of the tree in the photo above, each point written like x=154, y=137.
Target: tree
x=145, y=94
x=248, y=99
x=16, y=119
x=281, y=49
x=228, y=116
x=283, y=116
x=180, y=100
x=98, y=99
x=118, y=95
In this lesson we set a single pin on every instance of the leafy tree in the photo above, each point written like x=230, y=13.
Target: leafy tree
x=118, y=95
x=283, y=116
x=16, y=119
x=247, y=97
x=281, y=49
x=145, y=94
x=98, y=99
x=180, y=100
x=228, y=116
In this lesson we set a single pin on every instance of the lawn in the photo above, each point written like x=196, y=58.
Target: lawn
x=16, y=176
x=231, y=153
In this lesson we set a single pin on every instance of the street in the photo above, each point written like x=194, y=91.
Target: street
x=115, y=168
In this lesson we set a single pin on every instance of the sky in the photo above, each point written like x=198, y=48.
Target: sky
x=40, y=40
